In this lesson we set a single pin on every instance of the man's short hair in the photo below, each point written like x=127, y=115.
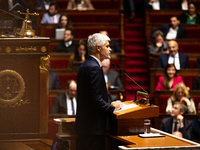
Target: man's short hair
x=96, y=39
x=183, y=107
x=70, y=29
x=53, y=4
x=174, y=16
x=69, y=82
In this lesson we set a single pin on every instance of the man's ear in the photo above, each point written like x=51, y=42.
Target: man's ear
x=98, y=48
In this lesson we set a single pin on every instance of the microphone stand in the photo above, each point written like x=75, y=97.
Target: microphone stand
x=125, y=80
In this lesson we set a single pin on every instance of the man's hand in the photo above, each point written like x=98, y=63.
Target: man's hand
x=180, y=118
x=117, y=104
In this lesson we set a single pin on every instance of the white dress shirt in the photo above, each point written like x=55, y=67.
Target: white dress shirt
x=155, y=5
x=69, y=105
x=174, y=60
x=178, y=125
x=67, y=44
x=172, y=33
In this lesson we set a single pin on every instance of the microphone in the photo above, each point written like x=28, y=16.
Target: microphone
x=135, y=83
x=125, y=80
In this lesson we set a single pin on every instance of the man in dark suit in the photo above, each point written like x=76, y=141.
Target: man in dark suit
x=54, y=83
x=92, y=96
x=156, y=4
x=177, y=122
x=174, y=57
x=111, y=76
x=43, y=4
x=173, y=30
x=67, y=45
x=65, y=103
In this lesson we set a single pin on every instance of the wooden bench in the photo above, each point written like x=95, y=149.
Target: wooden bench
x=153, y=60
x=188, y=76
x=83, y=30
x=192, y=30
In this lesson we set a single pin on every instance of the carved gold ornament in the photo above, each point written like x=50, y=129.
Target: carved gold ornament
x=12, y=88
x=43, y=49
x=8, y=49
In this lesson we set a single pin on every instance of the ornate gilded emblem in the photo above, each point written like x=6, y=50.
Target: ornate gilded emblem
x=8, y=49
x=43, y=49
x=44, y=62
x=12, y=88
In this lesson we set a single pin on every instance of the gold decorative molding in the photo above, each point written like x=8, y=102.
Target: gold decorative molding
x=43, y=49
x=44, y=62
x=26, y=49
x=8, y=49
x=12, y=88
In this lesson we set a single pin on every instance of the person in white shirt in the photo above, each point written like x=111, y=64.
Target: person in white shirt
x=171, y=31
x=156, y=4
x=180, y=60
x=65, y=103
x=51, y=17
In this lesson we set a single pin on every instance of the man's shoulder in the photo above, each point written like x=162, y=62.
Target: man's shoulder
x=113, y=72
x=166, y=120
x=61, y=95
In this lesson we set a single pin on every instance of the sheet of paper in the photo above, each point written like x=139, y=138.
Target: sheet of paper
x=125, y=106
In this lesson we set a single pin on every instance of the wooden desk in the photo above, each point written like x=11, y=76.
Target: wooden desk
x=168, y=142
x=36, y=144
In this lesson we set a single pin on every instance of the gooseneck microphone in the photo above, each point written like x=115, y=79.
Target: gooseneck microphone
x=125, y=80
x=135, y=83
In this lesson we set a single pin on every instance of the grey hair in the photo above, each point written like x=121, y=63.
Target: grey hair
x=94, y=40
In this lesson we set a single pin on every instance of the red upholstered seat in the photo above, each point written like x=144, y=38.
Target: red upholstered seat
x=58, y=64
x=163, y=104
x=192, y=33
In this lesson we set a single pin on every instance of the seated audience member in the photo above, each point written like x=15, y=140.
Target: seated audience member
x=43, y=4
x=113, y=44
x=81, y=54
x=196, y=127
x=191, y=16
x=65, y=103
x=63, y=23
x=182, y=4
x=156, y=4
x=54, y=83
x=181, y=94
x=111, y=76
x=111, y=98
x=80, y=5
x=197, y=64
x=51, y=17
x=173, y=30
x=159, y=45
x=170, y=78
x=174, y=57
x=67, y=45
x=196, y=83
x=177, y=122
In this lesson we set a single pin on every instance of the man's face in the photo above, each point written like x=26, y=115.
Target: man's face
x=173, y=48
x=176, y=110
x=105, y=51
x=105, y=67
x=174, y=22
x=52, y=10
x=71, y=92
x=68, y=36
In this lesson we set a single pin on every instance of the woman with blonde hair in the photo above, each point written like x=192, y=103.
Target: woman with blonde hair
x=181, y=94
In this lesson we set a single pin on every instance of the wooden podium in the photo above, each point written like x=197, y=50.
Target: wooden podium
x=23, y=88
x=124, y=122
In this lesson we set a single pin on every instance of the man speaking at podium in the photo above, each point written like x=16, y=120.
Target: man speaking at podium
x=92, y=96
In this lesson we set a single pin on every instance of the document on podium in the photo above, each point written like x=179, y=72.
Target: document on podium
x=125, y=106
